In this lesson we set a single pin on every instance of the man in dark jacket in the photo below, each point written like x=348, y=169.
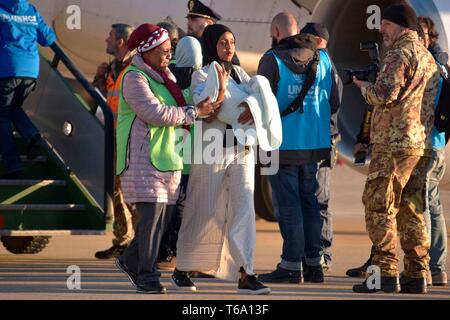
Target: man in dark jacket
x=322, y=36
x=21, y=28
x=306, y=142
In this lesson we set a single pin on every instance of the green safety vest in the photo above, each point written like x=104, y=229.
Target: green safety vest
x=162, y=140
x=188, y=98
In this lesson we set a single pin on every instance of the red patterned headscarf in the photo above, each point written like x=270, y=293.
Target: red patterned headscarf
x=147, y=37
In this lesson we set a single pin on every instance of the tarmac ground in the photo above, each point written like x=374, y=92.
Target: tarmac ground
x=44, y=276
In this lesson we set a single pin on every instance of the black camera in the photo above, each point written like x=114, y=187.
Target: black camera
x=370, y=73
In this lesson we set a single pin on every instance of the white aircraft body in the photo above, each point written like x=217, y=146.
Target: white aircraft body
x=250, y=20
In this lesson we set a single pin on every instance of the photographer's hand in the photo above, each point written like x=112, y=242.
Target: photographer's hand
x=360, y=83
x=359, y=148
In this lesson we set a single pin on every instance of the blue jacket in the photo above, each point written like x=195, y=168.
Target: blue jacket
x=306, y=137
x=309, y=130
x=21, y=28
x=438, y=138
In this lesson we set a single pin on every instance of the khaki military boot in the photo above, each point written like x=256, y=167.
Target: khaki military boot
x=360, y=272
x=413, y=285
x=387, y=284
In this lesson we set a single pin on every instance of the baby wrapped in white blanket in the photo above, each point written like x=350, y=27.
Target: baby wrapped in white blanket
x=266, y=130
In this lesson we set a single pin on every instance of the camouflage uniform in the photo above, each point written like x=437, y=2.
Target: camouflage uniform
x=394, y=197
x=124, y=219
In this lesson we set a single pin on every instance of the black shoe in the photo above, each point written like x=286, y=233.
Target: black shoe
x=114, y=252
x=200, y=275
x=387, y=284
x=250, y=285
x=413, y=285
x=360, y=272
x=151, y=288
x=281, y=275
x=131, y=275
x=34, y=147
x=15, y=175
x=313, y=274
x=181, y=281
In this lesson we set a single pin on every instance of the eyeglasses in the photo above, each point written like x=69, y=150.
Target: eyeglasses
x=164, y=52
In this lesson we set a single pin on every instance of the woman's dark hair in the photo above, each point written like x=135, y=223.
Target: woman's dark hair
x=420, y=32
x=432, y=33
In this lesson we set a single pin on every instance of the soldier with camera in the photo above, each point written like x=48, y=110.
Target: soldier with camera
x=403, y=99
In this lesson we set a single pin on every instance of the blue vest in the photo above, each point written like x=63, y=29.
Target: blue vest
x=438, y=138
x=309, y=130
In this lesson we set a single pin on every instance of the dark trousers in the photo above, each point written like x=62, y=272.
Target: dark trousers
x=323, y=198
x=13, y=92
x=434, y=214
x=168, y=247
x=297, y=211
x=140, y=256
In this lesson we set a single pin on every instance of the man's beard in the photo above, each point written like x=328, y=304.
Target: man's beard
x=387, y=41
x=112, y=51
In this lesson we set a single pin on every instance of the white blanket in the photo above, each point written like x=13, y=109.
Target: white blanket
x=266, y=131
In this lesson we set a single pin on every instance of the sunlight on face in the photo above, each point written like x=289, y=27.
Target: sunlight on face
x=226, y=47
x=159, y=57
x=390, y=32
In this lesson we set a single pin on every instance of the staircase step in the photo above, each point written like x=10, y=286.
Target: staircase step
x=29, y=183
x=42, y=207
x=37, y=169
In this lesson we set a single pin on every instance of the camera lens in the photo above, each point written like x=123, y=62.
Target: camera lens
x=346, y=76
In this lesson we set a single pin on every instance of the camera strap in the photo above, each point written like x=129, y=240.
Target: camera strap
x=311, y=78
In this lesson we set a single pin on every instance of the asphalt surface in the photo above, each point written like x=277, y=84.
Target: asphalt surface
x=44, y=276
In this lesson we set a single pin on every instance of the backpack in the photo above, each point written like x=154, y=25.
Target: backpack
x=304, y=42
x=297, y=104
x=442, y=112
